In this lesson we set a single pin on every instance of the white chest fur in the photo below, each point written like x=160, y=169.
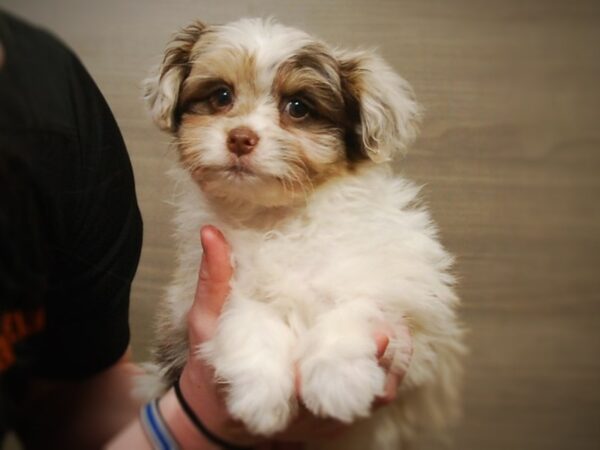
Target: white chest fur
x=310, y=290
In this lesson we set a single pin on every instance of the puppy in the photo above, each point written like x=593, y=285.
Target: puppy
x=285, y=145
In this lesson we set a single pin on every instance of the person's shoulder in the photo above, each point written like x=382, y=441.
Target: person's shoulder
x=42, y=82
x=27, y=40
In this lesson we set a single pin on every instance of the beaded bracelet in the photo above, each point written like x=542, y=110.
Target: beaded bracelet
x=201, y=427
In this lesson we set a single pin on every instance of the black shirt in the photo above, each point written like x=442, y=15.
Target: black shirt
x=57, y=129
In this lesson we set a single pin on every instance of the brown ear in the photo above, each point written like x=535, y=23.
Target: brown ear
x=161, y=89
x=388, y=113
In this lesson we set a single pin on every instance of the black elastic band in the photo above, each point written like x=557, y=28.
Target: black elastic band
x=205, y=431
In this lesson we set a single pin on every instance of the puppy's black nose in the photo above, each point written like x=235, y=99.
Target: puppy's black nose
x=242, y=140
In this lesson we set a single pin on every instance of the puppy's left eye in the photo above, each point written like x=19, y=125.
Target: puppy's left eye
x=297, y=109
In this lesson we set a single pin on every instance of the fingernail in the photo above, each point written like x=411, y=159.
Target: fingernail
x=382, y=342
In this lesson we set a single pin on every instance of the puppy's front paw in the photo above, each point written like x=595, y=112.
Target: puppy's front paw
x=343, y=389
x=250, y=353
x=264, y=405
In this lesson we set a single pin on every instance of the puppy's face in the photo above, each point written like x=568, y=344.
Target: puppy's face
x=263, y=113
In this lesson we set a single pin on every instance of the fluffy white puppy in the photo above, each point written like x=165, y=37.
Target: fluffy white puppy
x=285, y=145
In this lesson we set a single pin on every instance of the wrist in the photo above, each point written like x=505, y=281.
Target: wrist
x=181, y=427
x=205, y=409
x=198, y=419
x=200, y=394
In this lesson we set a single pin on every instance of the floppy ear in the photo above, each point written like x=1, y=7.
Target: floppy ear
x=387, y=112
x=161, y=89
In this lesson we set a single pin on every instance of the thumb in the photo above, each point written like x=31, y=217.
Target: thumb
x=215, y=272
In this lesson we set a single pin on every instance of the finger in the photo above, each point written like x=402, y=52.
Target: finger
x=216, y=255
x=390, y=391
x=382, y=342
x=297, y=383
x=215, y=271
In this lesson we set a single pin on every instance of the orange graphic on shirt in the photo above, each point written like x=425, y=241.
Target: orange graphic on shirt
x=14, y=327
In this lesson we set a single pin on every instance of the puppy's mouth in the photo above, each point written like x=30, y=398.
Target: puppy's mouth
x=239, y=168
x=236, y=170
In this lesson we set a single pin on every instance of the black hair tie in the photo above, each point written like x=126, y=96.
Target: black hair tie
x=198, y=423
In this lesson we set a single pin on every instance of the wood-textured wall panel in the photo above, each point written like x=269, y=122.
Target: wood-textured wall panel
x=509, y=155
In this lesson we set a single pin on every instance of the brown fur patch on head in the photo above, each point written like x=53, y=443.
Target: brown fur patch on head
x=317, y=77
x=162, y=90
x=351, y=88
x=381, y=103
x=187, y=142
x=225, y=66
x=354, y=85
x=325, y=137
x=312, y=74
x=178, y=52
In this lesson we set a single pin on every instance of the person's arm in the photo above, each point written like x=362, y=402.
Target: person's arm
x=79, y=414
x=197, y=380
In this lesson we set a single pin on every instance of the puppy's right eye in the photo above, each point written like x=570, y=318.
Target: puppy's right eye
x=221, y=99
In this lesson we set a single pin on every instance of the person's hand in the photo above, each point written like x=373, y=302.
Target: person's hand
x=197, y=380
x=198, y=384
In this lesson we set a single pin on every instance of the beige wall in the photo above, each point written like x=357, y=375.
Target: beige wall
x=509, y=153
